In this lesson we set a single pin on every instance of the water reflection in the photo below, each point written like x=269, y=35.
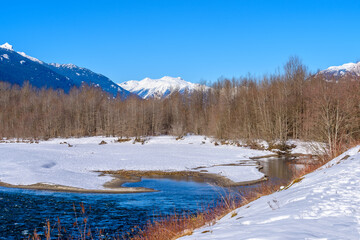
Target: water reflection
x=278, y=168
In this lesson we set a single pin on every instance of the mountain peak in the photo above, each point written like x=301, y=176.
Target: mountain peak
x=342, y=70
x=159, y=88
x=7, y=46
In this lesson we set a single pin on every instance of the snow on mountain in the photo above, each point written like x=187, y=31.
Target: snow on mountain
x=159, y=88
x=67, y=65
x=7, y=46
x=31, y=58
x=5, y=56
x=352, y=69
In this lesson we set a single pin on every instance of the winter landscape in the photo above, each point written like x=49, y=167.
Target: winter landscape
x=182, y=120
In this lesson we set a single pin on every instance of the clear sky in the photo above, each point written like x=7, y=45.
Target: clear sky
x=196, y=39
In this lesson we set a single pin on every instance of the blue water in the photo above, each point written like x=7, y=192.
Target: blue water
x=22, y=211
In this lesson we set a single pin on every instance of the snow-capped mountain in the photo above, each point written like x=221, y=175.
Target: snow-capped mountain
x=17, y=67
x=160, y=88
x=348, y=69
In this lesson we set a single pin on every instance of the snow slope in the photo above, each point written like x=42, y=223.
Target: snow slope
x=159, y=88
x=55, y=163
x=324, y=205
x=345, y=69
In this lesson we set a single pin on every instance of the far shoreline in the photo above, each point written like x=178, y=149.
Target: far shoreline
x=68, y=189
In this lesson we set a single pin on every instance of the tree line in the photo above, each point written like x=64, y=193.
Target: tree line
x=288, y=105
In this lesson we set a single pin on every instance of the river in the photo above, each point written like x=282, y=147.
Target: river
x=22, y=211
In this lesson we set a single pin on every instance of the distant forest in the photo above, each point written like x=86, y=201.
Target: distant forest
x=290, y=105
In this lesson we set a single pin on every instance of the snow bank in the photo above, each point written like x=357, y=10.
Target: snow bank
x=55, y=163
x=324, y=205
x=308, y=148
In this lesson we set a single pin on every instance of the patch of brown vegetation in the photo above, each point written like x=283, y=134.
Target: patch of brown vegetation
x=197, y=176
x=120, y=140
x=139, y=140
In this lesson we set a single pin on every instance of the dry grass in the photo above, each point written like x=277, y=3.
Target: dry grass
x=120, y=140
x=80, y=229
x=175, y=226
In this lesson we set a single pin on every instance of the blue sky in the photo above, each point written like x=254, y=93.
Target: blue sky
x=196, y=40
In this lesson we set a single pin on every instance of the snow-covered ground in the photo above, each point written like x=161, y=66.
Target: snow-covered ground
x=309, y=148
x=324, y=205
x=54, y=163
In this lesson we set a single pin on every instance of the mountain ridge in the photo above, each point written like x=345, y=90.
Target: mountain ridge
x=17, y=67
x=347, y=69
x=82, y=75
x=160, y=88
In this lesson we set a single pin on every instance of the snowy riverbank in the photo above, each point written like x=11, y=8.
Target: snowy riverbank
x=323, y=205
x=75, y=162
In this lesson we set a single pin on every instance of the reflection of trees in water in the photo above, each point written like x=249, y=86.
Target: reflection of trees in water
x=280, y=168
